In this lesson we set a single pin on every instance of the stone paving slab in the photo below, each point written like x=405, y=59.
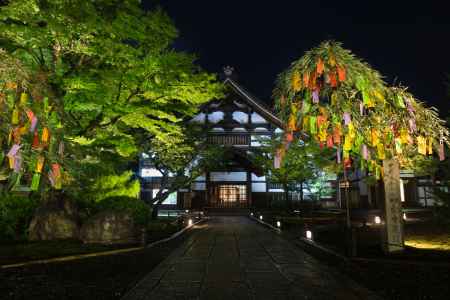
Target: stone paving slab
x=236, y=258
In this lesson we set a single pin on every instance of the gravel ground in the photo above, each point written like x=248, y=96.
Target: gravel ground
x=106, y=277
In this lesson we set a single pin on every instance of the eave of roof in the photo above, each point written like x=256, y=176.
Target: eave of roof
x=254, y=103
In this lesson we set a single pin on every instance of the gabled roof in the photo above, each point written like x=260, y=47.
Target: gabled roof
x=257, y=105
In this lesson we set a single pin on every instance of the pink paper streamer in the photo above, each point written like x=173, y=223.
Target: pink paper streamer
x=33, y=124
x=441, y=152
x=347, y=118
x=14, y=149
x=315, y=96
x=17, y=163
x=365, y=152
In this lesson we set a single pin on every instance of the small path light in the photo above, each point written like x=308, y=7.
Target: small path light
x=187, y=210
x=251, y=214
x=261, y=217
x=404, y=216
x=278, y=224
x=377, y=220
x=309, y=234
x=190, y=222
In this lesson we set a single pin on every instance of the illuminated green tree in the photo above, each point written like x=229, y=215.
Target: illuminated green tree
x=341, y=102
x=302, y=164
x=107, y=71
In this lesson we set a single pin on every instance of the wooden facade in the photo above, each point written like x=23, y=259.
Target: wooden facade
x=236, y=122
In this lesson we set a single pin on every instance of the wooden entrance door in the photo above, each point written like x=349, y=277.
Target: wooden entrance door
x=229, y=195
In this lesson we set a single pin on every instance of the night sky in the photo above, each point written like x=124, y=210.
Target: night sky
x=408, y=43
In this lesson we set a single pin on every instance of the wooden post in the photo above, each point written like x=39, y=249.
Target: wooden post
x=393, y=240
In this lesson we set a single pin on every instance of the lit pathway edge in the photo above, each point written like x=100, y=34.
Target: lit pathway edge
x=104, y=253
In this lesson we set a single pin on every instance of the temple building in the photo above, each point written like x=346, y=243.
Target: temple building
x=238, y=122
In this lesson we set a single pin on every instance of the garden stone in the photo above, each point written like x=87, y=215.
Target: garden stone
x=109, y=227
x=53, y=220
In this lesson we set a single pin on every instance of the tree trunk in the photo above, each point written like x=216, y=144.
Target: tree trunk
x=155, y=209
x=286, y=196
x=301, y=192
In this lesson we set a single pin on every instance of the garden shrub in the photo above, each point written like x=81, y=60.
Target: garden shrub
x=16, y=212
x=140, y=211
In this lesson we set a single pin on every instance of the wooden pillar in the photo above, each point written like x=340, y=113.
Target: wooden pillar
x=207, y=184
x=249, y=189
x=393, y=240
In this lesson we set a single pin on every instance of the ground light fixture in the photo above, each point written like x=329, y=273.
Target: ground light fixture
x=404, y=216
x=251, y=214
x=377, y=220
x=190, y=222
x=187, y=210
x=261, y=217
x=278, y=224
x=309, y=234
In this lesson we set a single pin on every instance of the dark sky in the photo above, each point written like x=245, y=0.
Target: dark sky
x=408, y=43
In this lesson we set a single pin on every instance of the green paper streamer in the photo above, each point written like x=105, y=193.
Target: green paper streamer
x=35, y=181
x=313, y=124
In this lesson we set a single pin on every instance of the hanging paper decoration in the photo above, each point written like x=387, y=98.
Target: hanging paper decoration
x=35, y=143
x=338, y=155
x=11, y=160
x=364, y=152
x=45, y=135
x=441, y=151
x=15, y=116
x=374, y=136
x=296, y=82
x=422, y=145
x=430, y=146
x=40, y=164
x=341, y=73
x=313, y=125
x=347, y=118
x=277, y=159
x=289, y=136
x=412, y=125
x=337, y=134
x=347, y=143
x=306, y=79
x=17, y=163
x=380, y=151
x=398, y=146
x=330, y=141
x=35, y=181
x=320, y=66
x=333, y=80
x=23, y=99
x=371, y=120
x=315, y=96
x=13, y=151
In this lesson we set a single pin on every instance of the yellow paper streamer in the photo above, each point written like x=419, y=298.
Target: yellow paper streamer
x=45, y=135
x=40, y=164
x=430, y=146
x=380, y=151
x=422, y=145
x=15, y=117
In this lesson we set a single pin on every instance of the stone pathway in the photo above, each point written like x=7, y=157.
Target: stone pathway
x=236, y=258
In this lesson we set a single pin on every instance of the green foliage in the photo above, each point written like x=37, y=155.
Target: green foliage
x=140, y=211
x=359, y=113
x=115, y=186
x=303, y=162
x=183, y=160
x=15, y=215
x=108, y=71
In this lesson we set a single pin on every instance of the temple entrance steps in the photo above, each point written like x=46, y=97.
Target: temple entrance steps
x=226, y=211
